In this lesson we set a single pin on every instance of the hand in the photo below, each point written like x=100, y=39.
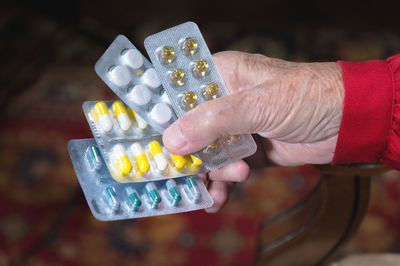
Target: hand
x=294, y=108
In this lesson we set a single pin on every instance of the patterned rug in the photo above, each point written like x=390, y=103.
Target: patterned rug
x=47, y=72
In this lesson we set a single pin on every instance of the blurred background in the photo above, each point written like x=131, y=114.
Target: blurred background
x=47, y=56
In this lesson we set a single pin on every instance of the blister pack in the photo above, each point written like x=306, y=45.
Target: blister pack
x=132, y=77
x=133, y=152
x=109, y=200
x=190, y=77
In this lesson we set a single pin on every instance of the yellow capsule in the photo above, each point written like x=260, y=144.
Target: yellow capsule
x=118, y=108
x=167, y=55
x=190, y=46
x=189, y=100
x=195, y=161
x=122, y=115
x=102, y=116
x=122, y=162
x=140, y=158
x=100, y=109
x=179, y=161
x=158, y=155
x=200, y=69
x=177, y=77
x=211, y=91
x=155, y=147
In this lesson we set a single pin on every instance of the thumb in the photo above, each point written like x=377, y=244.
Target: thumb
x=239, y=113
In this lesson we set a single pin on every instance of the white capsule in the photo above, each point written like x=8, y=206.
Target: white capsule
x=105, y=122
x=140, y=157
x=132, y=58
x=124, y=121
x=121, y=160
x=158, y=155
x=142, y=124
x=151, y=79
x=161, y=113
x=100, y=111
x=122, y=115
x=120, y=76
x=161, y=161
x=136, y=149
x=140, y=95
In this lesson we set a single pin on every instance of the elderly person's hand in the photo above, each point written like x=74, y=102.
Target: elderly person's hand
x=294, y=108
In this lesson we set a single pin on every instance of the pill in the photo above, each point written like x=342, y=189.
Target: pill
x=177, y=77
x=212, y=147
x=103, y=117
x=211, y=91
x=161, y=113
x=122, y=115
x=189, y=46
x=189, y=100
x=133, y=198
x=140, y=95
x=158, y=155
x=132, y=58
x=142, y=124
x=120, y=75
x=151, y=79
x=110, y=198
x=94, y=158
x=200, y=69
x=192, y=189
x=179, y=161
x=167, y=55
x=232, y=138
x=152, y=195
x=173, y=194
x=121, y=160
x=140, y=157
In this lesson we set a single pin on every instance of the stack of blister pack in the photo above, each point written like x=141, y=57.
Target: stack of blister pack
x=125, y=171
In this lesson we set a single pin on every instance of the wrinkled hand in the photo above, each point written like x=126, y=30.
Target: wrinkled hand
x=294, y=108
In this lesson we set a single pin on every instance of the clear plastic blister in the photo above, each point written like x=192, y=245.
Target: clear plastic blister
x=134, y=153
x=190, y=77
x=132, y=77
x=109, y=200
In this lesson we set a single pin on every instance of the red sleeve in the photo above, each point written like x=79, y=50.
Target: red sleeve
x=370, y=127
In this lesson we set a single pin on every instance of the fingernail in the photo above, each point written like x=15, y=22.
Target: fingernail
x=173, y=137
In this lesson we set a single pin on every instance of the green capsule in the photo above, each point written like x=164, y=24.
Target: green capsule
x=134, y=200
x=191, y=189
x=153, y=196
x=110, y=198
x=173, y=193
x=94, y=158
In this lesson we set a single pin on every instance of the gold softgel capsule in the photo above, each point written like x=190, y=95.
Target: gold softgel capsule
x=211, y=91
x=212, y=147
x=200, y=68
x=189, y=100
x=177, y=77
x=232, y=138
x=190, y=46
x=167, y=55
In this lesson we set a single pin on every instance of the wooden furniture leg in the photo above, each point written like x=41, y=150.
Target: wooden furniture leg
x=312, y=231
